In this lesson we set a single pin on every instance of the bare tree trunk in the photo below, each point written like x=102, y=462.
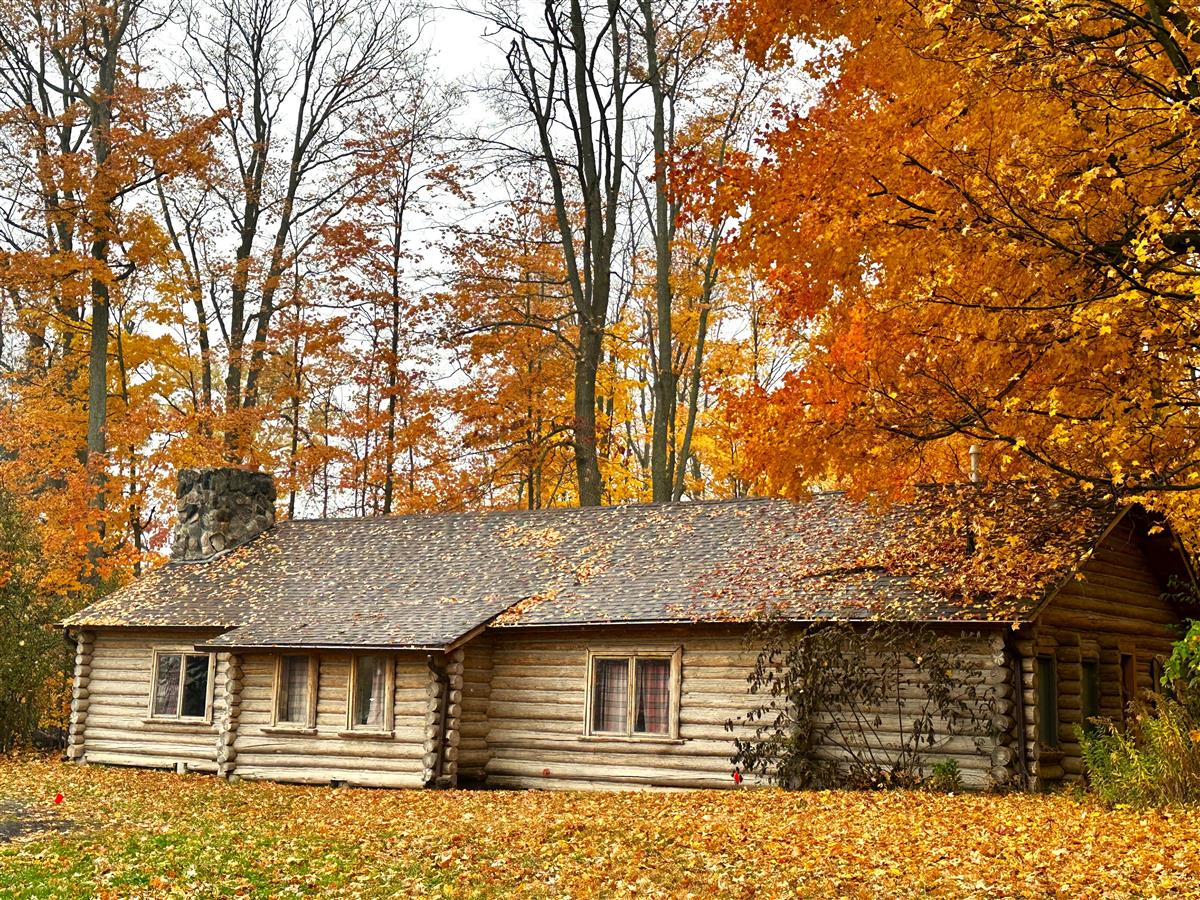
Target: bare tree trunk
x=393, y=368
x=319, y=61
x=585, y=75
x=685, y=450
x=664, y=374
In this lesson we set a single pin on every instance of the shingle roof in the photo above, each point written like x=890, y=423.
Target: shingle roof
x=426, y=580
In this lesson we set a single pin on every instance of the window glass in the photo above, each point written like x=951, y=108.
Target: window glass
x=610, y=695
x=166, y=684
x=1047, y=701
x=370, y=685
x=181, y=685
x=195, y=687
x=293, y=690
x=652, y=707
x=1090, y=690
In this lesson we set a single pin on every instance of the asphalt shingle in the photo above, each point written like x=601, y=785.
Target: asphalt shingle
x=424, y=581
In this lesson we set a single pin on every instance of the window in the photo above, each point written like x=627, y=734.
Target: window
x=633, y=695
x=1128, y=680
x=371, y=693
x=1089, y=688
x=181, y=688
x=1047, y=697
x=296, y=691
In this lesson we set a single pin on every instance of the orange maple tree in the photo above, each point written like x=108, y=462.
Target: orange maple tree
x=982, y=232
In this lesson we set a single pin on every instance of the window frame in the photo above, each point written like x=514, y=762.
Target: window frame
x=310, y=714
x=1090, y=663
x=389, y=695
x=1128, y=662
x=1157, y=672
x=210, y=685
x=1050, y=692
x=674, y=655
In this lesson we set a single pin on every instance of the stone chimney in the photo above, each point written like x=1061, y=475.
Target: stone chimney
x=220, y=509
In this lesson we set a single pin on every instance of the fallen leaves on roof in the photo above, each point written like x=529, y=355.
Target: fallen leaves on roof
x=952, y=554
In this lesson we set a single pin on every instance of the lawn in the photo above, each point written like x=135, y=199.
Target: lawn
x=148, y=834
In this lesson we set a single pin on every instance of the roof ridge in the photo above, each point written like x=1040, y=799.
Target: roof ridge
x=549, y=510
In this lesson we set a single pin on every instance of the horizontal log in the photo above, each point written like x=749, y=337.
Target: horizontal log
x=104, y=727
x=119, y=682
x=589, y=772
x=893, y=741
x=409, y=762
x=155, y=750
x=329, y=737
x=119, y=758
x=1112, y=607
x=122, y=636
x=598, y=758
x=537, y=782
x=927, y=760
x=519, y=736
x=324, y=776
x=1090, y=623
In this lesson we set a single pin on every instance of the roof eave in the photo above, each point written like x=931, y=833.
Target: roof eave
x=319, y=645
x=994, y=622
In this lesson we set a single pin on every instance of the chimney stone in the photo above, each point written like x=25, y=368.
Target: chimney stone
x=220, y=509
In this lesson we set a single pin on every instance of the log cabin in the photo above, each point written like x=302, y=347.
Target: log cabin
x=604, y=647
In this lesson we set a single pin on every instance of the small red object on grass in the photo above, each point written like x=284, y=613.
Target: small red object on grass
x=737, y=777
x=58, y=798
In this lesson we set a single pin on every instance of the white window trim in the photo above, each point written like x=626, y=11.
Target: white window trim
x=209, y=694
x=310, y=715
x=673, y=654
x=389, y=697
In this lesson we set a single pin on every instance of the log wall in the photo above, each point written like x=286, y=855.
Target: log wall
x=85, y=644
x=117, y=728
x=536, y=701
x=330, y=753
x=1114, y=609
x=473, y=724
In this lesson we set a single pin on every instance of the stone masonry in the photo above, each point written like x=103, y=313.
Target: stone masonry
x=220, y=509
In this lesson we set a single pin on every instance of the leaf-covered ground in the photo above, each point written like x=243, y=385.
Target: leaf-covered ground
x=146, y=834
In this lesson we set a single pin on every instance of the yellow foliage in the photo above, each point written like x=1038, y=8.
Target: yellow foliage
x=199, y=836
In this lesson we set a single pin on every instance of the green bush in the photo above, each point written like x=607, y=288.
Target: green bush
x=33, y=655
x=1181, y=674
x=945, y=777
x=1155, y=761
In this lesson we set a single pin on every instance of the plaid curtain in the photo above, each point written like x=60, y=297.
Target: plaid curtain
x=294, y=682
x=166, y=685
x=610, y=695
x=651, y=714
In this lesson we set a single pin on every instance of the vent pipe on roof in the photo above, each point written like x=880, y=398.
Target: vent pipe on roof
x=220, y=509
x=973, y=455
